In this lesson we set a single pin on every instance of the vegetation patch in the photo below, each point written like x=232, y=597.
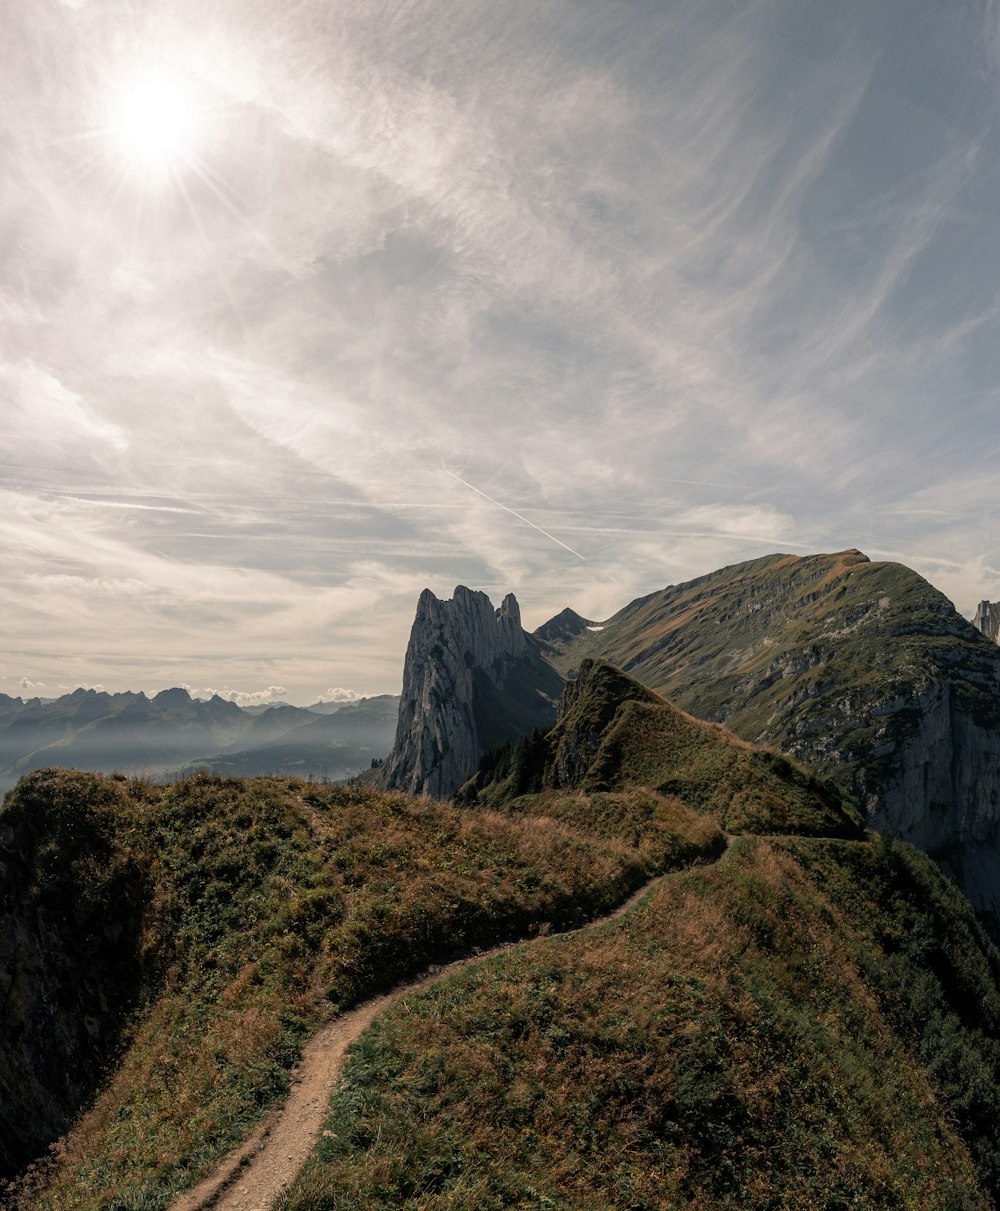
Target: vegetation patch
x=264, y=904
x=723, y=1045
x=615, y=735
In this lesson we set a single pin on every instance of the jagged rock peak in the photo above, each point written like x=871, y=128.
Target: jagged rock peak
x=473, y=626
x=471, y=678
x=565, y=625
x=987, y=619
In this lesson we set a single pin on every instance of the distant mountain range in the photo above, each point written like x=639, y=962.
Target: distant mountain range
x=173, y=732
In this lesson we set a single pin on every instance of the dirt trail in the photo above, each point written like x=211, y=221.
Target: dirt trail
x=253, y=1176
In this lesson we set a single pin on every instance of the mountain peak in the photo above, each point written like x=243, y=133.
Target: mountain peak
x=472, y=677
x=567, y=624
x=172, y=697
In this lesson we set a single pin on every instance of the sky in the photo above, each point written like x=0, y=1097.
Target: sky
x=308, y=305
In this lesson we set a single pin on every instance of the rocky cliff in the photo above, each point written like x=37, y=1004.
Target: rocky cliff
x=472, y=678
x=987, y=619
x=862, y=671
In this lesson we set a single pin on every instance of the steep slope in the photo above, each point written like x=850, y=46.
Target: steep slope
x=812, y=1022
x=72, y=898
x=472, y=678
x=860, y=670
x=614, y=734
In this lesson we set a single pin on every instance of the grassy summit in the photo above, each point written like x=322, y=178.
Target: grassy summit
x=614, y=733
x=824, y=657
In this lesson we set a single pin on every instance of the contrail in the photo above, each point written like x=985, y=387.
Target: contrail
x=507, y=509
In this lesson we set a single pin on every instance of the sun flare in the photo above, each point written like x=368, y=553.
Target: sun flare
x=155, y=123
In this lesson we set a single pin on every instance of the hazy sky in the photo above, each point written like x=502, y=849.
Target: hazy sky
x=307, y=305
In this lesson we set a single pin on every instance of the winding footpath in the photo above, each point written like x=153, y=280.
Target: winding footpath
x=254, y=1175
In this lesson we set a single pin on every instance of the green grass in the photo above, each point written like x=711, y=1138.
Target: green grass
x=614, y=734
x=260, y=905
x=725, y=1045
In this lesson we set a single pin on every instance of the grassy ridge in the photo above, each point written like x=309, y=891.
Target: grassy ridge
x=732, y=1043
x=792, y=1027
x=811, y=654
x=813, y=1021
x=269, y=901
x=614, y=734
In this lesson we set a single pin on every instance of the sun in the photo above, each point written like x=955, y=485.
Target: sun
x=155, y=123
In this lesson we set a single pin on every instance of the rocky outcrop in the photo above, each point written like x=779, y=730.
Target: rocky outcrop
x=472, y=679
x=987, y=619
x=938, y=787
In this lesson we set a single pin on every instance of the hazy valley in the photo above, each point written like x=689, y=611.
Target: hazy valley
x=172, y=733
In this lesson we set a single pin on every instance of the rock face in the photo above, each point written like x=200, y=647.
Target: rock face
x=472, y=679
x=987, y=619
x=860, y=670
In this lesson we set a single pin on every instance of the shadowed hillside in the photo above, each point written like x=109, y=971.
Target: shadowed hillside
x=614, y=733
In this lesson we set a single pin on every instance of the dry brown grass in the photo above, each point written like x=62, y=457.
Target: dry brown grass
x=272, y=903
x=704, y=1052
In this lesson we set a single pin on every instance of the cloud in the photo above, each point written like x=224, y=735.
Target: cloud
x=25, y=684
x=336, y=694
x=273, y=693
x=42, y=412
x=677, y=284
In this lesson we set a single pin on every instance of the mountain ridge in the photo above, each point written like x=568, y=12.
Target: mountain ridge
x=813, y=1022
x=860, y=669
x=162, y=734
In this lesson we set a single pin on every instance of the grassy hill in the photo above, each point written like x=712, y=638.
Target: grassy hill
x=766, y=1032
x=614, y=733
x=164, y=951
x=811, y=1022
x=861, y=670
x=790, y=651
x=798, y=1017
